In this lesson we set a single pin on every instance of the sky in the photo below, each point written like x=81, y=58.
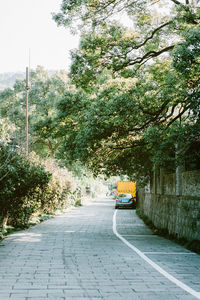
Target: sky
x=26, y=26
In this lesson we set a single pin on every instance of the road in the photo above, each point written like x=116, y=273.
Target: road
x=96, y=252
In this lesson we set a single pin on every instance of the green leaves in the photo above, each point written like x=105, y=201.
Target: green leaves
x=186, y=56
x=19, y=178
x=116, y=48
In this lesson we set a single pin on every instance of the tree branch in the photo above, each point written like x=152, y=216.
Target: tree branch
x=151, y=54
x=152, y=35
x=179, y=115
x=181, y=4
x=134, y=144
x=145, y=57
x=147, y=112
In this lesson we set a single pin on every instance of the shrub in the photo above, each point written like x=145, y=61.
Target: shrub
x=19, y=181
x=34, y=187
x=60, y=189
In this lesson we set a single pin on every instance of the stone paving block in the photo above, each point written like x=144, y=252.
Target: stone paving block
x=6, y=287
x=75, y=293
x=55, y=292
x=22, y=286
x=154, y=296
x=43, y=276
x=56, y=280
x=17, y=297
x=38, y=286
x=109, y=294
x=83, y=298
x=107, y=289
x=39, y=293
x=185, y=297
x=57, y=286
x=124, y=289
x=114, y=297
x=93, y=293
x=160, y=288
x=140, y=287
x=4, y=296
x=37, y=298
x=56, y=297
x=130, y=296
x=6, y=291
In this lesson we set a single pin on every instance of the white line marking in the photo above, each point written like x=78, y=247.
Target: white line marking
x=153, y=264
x=171, y=253
x=128, y=224
x=140, y=235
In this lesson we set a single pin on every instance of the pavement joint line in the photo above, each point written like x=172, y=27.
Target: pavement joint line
x=153, y=264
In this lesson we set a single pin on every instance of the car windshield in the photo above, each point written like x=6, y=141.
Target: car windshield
x=125, y=195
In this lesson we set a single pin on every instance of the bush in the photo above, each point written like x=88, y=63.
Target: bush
x=20, y=179
x=34, y=187
x=60, y=189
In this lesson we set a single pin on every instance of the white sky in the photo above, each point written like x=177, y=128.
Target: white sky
x=28, y=24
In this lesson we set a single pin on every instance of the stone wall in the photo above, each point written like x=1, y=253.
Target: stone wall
x=179, y=214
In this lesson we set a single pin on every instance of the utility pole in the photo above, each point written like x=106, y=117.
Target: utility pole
x=27, y=89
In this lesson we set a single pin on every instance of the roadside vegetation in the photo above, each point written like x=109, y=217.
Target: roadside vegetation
x=39, y=186
x=34, y=189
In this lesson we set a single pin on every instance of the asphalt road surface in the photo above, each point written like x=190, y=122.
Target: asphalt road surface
x=96, y=252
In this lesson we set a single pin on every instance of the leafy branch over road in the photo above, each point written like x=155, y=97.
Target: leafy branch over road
x=138, y=85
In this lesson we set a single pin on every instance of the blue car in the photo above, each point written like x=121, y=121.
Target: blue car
x=125, y=200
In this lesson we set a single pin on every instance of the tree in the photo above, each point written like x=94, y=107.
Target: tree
x=45, y=92
x=139, y=101
x=105, y=43
x=129, y=124
x=93, y=13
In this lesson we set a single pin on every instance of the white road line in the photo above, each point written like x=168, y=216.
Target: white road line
x=171, y=253
x=141, y=235
x=128, y=224
x=153, y=264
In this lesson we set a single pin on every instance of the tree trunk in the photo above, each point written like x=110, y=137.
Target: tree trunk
x=4, y=222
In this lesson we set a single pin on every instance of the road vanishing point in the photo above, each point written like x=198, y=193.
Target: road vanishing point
x=96, y=252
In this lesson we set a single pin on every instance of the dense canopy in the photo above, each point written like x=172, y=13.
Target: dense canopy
x=137, y=74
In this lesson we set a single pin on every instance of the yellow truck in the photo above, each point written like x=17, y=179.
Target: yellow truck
x=126, y=187
x=126, y=194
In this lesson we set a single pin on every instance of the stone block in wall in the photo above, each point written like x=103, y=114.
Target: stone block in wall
x=169, y=184
x=191, y=183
